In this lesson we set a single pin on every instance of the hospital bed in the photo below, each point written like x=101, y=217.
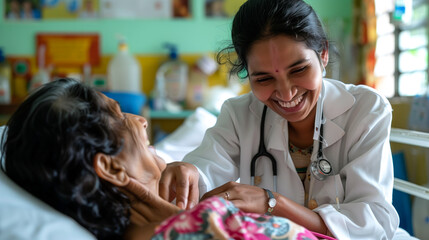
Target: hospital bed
x=414, y=217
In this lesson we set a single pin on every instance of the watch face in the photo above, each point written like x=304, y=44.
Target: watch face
x=272, y=202
x=325, y=166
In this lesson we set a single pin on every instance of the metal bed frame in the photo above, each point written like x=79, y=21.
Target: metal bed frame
x=414, y=138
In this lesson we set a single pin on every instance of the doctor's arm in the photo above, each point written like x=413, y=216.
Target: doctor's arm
x=209, y=165
x=255, y=200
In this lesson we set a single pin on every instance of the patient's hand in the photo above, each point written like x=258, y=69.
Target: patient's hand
x=147, y=207
x=180, y=180
x=246, y=197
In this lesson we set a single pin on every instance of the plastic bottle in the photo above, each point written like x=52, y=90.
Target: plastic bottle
x=124, y=71
x=42, y=75
x=5, y=80
x=86, y=74
x=173, y=76
x=40, y=78
x=197, y=83
x=158, y=95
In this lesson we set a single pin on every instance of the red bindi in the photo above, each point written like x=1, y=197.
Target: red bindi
x=277, y=70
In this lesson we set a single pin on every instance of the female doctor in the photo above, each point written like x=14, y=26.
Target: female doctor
x=304, y=147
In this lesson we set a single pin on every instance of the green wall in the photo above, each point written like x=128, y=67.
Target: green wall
x=194, y=35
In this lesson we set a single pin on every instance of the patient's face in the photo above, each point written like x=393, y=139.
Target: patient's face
x=140, y=160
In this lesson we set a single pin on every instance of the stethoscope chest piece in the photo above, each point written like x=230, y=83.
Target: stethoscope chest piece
x=321, y=169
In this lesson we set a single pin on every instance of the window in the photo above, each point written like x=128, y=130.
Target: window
x=401, y=67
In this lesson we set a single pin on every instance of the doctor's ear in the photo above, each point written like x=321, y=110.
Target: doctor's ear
x=324, y=56
x=110, y=169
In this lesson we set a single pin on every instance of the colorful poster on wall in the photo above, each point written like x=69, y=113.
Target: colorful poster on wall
x=92, y=9
x=136, y=8
x=222, y=8
x=181, y=8
x=60, y=9
x=68, y=49
x=22, y=9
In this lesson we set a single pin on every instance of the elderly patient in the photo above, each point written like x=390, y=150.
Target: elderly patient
x=73, y=148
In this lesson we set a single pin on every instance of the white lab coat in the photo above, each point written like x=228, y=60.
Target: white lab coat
x=356, y=134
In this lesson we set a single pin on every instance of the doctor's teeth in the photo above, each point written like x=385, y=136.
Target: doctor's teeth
x=291, y=103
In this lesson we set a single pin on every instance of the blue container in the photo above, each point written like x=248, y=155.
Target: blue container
x=129, y=102
x=401, y=200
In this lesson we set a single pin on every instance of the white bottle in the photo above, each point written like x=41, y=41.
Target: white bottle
x=5, y=96
x=198, y=78
x=5, y=80
x=173, y=75
x=42, y=75
x=124, y=71
x=38, y=79
x=158, y=95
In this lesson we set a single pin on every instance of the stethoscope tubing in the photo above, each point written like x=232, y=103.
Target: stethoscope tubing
x=262, y=152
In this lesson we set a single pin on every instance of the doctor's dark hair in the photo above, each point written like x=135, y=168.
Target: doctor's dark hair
x=258, y=20
x=51, y=142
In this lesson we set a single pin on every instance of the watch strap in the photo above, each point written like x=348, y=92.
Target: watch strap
x=270, y=198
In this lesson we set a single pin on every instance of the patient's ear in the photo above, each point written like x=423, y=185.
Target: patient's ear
x=109, y=169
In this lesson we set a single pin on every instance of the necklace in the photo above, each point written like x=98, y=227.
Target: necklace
x=303, y=151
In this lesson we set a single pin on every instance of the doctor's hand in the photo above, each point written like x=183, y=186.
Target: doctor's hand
x=246, y=197
x=147, y=206
x=180, y=180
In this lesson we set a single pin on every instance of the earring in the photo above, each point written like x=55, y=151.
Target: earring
x=324, y=72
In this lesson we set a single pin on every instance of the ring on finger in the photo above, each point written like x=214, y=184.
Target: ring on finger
x=227, y=195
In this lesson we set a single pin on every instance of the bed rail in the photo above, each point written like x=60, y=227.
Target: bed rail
x=414, y=138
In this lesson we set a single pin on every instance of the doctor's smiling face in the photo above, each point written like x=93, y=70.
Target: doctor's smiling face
x=286, y=75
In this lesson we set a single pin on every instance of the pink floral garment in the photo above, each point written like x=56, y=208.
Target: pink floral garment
x=216, y=218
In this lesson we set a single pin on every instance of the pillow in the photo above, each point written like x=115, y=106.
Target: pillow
x=186, y=137
x=23, y=216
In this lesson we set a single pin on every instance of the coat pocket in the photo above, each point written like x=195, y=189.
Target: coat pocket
x=327, y=191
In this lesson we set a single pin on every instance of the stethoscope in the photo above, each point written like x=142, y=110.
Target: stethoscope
x=262, y=152
x=321, y=168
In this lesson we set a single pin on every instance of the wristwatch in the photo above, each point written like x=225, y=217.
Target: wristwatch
x=271, y=202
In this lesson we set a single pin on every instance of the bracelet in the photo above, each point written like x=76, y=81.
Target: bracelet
x=271, y=202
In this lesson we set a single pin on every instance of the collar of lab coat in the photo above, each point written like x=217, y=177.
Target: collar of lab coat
x=337, y=101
